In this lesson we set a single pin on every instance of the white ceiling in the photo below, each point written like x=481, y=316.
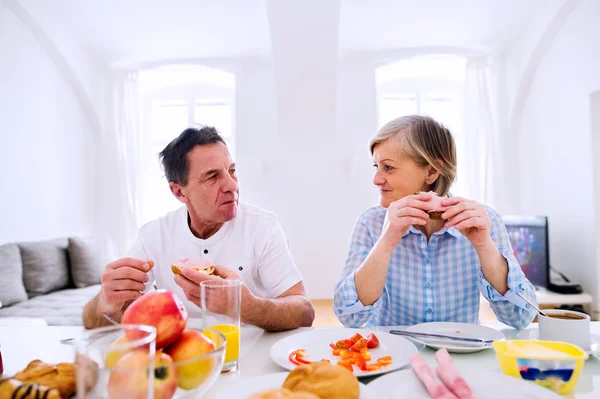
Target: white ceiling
x=392, y=24
x=119, y=32
x=122, y=30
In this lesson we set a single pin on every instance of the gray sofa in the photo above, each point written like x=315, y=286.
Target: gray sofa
x=51, y=279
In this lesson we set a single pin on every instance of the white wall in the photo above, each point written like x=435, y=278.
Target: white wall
x=318, y=186
x=554, y=145
x=595, y=129
x=47, y=162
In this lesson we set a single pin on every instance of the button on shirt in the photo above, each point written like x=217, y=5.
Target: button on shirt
x=431, y=280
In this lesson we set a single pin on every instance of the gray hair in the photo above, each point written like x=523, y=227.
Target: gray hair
x=426, y=142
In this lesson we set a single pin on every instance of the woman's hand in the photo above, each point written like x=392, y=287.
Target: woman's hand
x=470, y=218
x=401, y=214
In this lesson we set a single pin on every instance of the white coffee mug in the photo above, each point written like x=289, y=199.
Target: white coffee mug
x=573, y=328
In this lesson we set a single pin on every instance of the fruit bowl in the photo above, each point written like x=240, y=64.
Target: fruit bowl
x=108, y=365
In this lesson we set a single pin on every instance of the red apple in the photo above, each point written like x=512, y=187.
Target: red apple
x=129, y=378
x=192, y=344
x=161, y=309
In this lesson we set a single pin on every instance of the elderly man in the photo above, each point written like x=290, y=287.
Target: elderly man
x=243, y=241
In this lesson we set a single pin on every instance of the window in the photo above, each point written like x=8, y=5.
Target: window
x=433, y=86
x=173, y=99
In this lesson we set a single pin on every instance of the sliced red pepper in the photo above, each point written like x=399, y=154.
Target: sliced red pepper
x=372, y=341
x=372, y=367
x=297, y=357
x=384, y=361
x=336, y=352
x=360, y=344
x=333, y=346
x=365, y=354
x=292, y=358
x=355, y=338
x=360, y=361
x=345, y=364
x=344, y=344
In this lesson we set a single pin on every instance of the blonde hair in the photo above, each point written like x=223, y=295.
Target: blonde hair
x=426, y=142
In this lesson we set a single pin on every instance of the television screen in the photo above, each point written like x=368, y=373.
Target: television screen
x=529, y=239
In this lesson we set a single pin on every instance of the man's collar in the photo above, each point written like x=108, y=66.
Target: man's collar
x=452, y=231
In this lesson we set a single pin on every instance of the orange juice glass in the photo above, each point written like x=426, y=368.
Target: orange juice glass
x=221, y=311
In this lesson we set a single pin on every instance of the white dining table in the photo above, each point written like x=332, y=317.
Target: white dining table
x=21, y=344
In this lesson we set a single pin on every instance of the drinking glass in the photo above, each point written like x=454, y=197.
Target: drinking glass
x=221, y=311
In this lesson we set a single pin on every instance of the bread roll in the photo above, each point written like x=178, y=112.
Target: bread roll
x=325, y=380
x=283, y=393
x=12, y=388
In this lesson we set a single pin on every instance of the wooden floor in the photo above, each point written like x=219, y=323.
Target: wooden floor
x=324, y=316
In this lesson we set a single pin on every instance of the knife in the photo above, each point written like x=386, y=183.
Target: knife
x=440, y=336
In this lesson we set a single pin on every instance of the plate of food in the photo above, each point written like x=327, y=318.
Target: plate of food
x=364, y=352
x=320, y=380
x=463, y=330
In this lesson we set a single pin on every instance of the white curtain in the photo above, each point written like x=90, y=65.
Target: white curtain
x=121, y=170
x=481, y=144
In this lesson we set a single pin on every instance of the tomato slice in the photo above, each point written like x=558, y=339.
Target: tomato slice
x=372, y=341
x=360, y=344
x=355, y=338
x=344, y=344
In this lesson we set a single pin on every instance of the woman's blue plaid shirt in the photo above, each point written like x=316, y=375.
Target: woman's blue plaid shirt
x=439, y=280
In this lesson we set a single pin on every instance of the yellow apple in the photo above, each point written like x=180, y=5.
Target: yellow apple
x=129, y=378
x=113, y=355
x=192, y=344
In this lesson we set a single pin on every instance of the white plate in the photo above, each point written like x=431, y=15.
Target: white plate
x=533, y=334
x=465, y=330
x=485, y=385
x=250, y=386
x=316, y=343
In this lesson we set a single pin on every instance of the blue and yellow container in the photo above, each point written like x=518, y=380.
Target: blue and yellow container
x=554, y=365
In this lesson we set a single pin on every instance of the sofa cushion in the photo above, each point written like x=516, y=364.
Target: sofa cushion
x=12, y=289
x=60, y=308
x=45, y=267
x=88, y=258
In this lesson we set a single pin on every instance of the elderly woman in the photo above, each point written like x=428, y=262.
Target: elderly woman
x=413, y=268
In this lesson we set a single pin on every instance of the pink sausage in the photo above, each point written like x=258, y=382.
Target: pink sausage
x=449, y=375
x=435, y=389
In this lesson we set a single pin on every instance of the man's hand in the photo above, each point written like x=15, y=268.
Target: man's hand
x=190, y=279
x=470, y=218
x=122, y=281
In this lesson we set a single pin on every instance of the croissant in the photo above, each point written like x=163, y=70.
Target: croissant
x=11, y=388
x=59, y=376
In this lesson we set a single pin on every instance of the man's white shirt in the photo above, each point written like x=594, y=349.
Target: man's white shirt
x=253, y=245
